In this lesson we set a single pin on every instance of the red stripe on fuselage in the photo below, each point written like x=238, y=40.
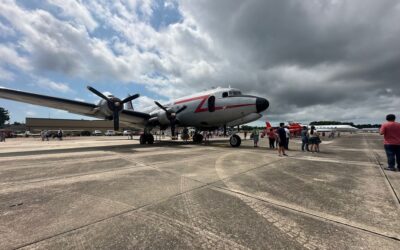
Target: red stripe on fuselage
x=192, y=99
x=204, y=99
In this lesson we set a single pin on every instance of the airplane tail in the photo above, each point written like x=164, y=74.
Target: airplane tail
x=129, y=105
x=267, y=128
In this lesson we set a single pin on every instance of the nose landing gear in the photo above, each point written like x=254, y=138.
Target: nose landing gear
x=235, y=141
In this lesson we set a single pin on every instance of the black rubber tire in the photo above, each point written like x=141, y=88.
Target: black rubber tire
x=197, y=138
x=142, y=139
x=150, y=139
x=235, y=141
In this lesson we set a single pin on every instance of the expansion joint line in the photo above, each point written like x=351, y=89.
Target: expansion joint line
x=384, y=174
x=308, y=213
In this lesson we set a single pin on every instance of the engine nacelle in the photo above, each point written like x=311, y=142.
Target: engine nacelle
x=160, y=119
x=105, y=109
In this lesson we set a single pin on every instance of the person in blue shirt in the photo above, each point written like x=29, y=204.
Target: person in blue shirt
x=304, y=139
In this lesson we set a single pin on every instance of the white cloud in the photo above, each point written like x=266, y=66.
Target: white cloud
x=142, y=103
x=77, y=11
x=6, y=31
x=79, y=99
x=48, y=84
x=9, y=56
x=30, y=113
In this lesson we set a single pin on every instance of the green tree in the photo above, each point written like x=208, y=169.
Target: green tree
x=4, y=116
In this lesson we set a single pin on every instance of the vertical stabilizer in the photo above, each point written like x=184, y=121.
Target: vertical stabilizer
x=129, y=105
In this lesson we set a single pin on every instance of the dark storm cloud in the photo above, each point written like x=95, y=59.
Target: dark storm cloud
x=345, y=51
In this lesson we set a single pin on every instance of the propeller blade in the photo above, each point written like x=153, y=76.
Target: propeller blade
x=173, y=129
x=161, y=106
x=130, y=98
x=98, y=93
x=116, y=120
x=180, y=110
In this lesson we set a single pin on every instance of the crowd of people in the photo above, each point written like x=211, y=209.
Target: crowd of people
x=46, y=134
x=279, y=138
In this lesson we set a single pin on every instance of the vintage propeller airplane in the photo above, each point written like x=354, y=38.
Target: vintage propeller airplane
x=220, y=107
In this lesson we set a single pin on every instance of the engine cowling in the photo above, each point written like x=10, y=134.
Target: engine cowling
x=105, y=109
x=162, y=118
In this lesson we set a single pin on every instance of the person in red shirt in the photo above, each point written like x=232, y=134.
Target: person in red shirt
x=271, y=137
x=391, y=133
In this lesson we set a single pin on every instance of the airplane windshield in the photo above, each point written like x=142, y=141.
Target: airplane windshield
x=234, y=93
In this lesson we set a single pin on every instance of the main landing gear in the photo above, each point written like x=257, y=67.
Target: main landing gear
x=197, y=138
x=235, y=141
x=146, y=138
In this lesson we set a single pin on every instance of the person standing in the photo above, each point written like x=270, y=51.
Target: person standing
x=287, y=131
x=313, y=135
x=245, y=134
x=60, y=134
x=2, y=136
x=47, y=135
x=304, y=139
x=271, y=138
x=391, y=134
x=43, y=134
x=282, y=139
x=256, y=137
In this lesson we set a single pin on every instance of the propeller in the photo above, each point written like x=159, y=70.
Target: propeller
x=114, y=104
x=171, y=115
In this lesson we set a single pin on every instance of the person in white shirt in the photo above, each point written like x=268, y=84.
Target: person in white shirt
x=287, y=138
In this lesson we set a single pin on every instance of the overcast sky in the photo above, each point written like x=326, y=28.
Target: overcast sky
x=313, y=60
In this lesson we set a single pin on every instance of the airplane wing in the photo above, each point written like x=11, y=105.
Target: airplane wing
x=134, y=118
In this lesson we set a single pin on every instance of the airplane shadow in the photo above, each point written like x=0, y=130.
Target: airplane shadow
x=124, y=148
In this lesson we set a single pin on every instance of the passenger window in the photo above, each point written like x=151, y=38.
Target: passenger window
x=225, y=94
x=230, y=93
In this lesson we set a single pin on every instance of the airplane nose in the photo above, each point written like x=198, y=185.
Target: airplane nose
x=261, y=104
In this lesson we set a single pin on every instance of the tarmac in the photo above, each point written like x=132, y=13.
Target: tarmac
x=112, y=193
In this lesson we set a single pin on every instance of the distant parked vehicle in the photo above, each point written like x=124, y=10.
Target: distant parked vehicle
x=127, y=132
x=110, y=133
x=85, y=133
x=97, y=132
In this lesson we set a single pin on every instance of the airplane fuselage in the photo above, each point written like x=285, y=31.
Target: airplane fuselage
x=215, y=108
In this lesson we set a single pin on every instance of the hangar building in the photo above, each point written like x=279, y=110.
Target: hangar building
x=38, y=124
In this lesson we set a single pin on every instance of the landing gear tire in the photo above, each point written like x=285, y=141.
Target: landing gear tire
x=150, y=139
x=146, y=138
x=197, y=138
x=235, y=141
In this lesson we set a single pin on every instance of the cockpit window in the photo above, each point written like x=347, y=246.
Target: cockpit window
x=231, y=93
